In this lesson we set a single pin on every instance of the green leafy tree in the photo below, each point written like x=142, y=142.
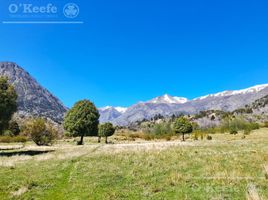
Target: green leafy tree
x=8, y=103
x=106, y=130
x=183, y=126
x=82, y=120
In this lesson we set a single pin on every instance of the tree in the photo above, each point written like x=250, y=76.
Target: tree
x=40, y=131
x=183, y=126
x=105, y=130
x=8, y=103
x=82, y=120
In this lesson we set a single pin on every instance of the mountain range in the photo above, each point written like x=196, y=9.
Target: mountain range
x=35, y=100
x=167, y=105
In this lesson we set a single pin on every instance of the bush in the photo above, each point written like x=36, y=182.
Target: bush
x=6, y=139
x=141, y=135
x=19, y=138
x=14, y=127
x=254, y=126
x=161, y=129
x=10, y=139
x=235, y=125
x=209, y=137
x=199, y=134
x=265, y=125
x=233, y=130
x=8, y=133
x=247, y=131
x=40, y=131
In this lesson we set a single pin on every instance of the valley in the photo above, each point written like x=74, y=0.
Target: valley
x=228, y=167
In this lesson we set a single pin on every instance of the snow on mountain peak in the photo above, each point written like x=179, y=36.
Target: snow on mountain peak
x=105, y=108
x=256, y=88
x=119, y=109
x=168, y=99
x=181, y=99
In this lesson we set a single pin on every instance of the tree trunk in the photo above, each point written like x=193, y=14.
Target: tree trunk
x=183, y=139
x=106, y=140
x=99, y=139
x=81, y=140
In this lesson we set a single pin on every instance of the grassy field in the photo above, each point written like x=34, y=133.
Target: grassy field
x=228, y=167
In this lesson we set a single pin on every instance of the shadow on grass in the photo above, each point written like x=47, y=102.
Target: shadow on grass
x=23, y=153
x=10, y=148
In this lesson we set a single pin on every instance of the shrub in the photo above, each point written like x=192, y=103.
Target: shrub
x=40, y=131
x=14, y=127
x=233, y=130
x=254, y=126
x=234, y=125
x=148, y=137
x=82, y=120
x=5, y=139
x=209, y=137
x=160, y=129
x=19, y=138
x=167, y=137
x=199, y=134
x=10, y=139
x=195, y=136
x=8, y=133
x=247, y=130
x=141, y=135
x=265, y=124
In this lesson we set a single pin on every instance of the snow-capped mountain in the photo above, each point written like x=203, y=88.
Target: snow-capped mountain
x=167, y=105
x=253, y=89
x=109, y=113
x=119, y=109
x=168, y=99
x=157, y=105
x=35, y=100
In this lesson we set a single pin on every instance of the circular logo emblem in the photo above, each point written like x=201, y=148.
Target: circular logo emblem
x=71, y=10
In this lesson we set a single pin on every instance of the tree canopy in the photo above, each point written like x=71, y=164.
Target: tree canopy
x=106, y=130
x=8, y=103
x=82, y=120
x=183, y=126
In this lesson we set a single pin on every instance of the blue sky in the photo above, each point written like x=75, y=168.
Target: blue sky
x=127, y=51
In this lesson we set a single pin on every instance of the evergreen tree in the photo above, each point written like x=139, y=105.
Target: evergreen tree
x=8, y=103
x=106, y=130
x=82, y=120
x=183, y=126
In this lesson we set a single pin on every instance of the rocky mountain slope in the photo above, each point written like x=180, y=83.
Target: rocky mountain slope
x=109, y=113
x=33, y=99
x=167, y=105
x=36, y=100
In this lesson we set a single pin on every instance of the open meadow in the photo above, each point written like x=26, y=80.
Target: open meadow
x=226, y=167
